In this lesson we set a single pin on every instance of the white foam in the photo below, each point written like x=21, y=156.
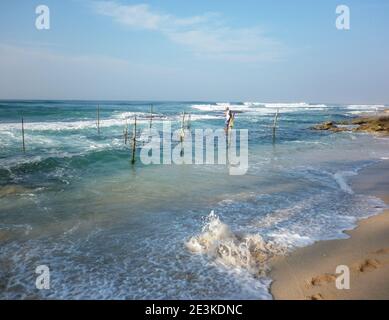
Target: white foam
x=118, y=120
x=249, y=252
x=259, y=107
x=210, y=107
x=255, y=104
x=61, y=125
x=340, y=178
x=292, y=105
x=290, y=239
x=366, y=106
x=198, y=117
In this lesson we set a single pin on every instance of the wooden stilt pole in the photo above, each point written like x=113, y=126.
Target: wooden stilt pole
x=275, y=126
x=182, y=135
x=125, y=132
x=151, y=116
x=23, y=142
x=188, y=123
x=98, y=119
x=134, y=143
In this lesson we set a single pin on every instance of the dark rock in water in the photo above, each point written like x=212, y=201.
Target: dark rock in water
x=329, y=126
x=324, y=126
x=338, y=129
x=378, y=124
x=359, y=121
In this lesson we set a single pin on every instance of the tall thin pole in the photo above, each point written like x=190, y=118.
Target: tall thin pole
x=188, y=123
x=98, y=119
x=182, y=135
x=126, y=133
x=151, y=115
x=134, y=143
x=24, y=145
x=275, y=126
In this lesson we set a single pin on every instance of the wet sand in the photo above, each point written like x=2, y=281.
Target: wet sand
x=310, y=272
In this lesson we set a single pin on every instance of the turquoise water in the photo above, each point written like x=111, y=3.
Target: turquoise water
x=108, y=229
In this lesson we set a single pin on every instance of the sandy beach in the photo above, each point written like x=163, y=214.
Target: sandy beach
x=309, y=272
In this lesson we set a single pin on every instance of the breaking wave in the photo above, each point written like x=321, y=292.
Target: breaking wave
x=118, y=120
x=244, y=251
x=259, y=107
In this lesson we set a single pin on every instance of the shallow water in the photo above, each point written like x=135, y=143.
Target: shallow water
x=107, y=229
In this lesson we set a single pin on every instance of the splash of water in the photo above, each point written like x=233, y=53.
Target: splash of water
x=243, y=251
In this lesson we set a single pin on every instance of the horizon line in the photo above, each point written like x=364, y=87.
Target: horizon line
x=193, y=101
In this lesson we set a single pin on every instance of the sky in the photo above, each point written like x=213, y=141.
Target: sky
x=196, y=50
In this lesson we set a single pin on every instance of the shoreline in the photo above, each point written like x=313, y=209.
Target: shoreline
x=308, y=273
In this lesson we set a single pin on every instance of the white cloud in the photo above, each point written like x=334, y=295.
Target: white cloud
x=136, y=16
x=205, y=35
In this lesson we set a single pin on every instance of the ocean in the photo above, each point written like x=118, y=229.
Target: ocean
x=110, y=229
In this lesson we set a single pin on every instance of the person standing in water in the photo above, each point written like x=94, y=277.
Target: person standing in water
x=229, y=117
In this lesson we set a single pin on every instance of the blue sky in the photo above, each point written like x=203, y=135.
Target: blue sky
x=279, y=51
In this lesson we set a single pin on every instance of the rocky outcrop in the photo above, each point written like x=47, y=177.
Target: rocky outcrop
x=375, y=124
x=329, y=126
